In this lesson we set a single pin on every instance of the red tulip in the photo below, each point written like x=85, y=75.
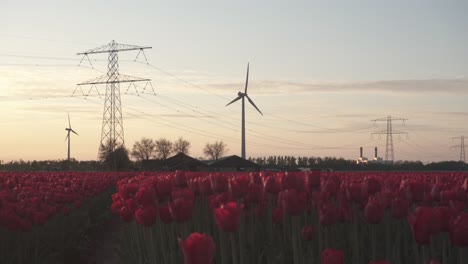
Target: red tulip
x=343, y=212
x=373, y=211
x=332, y=256
x=312, y=180
x=198, y=249
x=293, y=203
x=447, y=215
x=131, y=205
x=465, y=185
x=180, y=179
x=447, y=196
x=290, y=181
x=399, y=208
x=307, y=233
x=354, y=192
x=420, y=222
x=181, y=210
x=277, y=215
x=39, y=218
x=163, y=187
x=415, y=191
x=205, y=186
x=165, y=214
x=185, y=194
x=145, y=196
x=219, y=182
x=459, y=230
x=146, y=216
x=254, y=177
x=272, y=185
x=330, y=186
x=254, y=194
x=216, y=200
x=327, y=214
x=372, y=185
x=125, y=214
x=26, y=225
x=228, y=217
x=115, y=207
x=238, y=186
x=435, y=191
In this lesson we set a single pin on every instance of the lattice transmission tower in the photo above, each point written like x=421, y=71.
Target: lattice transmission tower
x=112, y=132
x=462, y=147
x=389, y=150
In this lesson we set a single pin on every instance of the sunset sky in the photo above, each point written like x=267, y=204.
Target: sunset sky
x=320, y=71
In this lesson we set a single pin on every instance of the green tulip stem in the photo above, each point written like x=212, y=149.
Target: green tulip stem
x=234, y=249
x=462, y=258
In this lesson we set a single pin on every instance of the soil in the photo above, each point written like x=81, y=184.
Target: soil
x=104, y=243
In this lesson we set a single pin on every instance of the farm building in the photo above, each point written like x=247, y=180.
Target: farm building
x=180, y=161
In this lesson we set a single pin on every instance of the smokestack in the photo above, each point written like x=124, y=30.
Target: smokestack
x=376, y=153
x=360, y=152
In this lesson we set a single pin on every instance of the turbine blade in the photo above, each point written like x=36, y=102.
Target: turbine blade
x=74, y=132
x=69, y=123
x=68, y=134
x=238, y=97
x=247, y=79
x=252, y=103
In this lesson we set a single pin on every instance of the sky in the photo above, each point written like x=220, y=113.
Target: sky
x=320, y=71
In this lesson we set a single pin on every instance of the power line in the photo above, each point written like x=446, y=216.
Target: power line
x=462, y=147
x=112, y=132
x=389, y=154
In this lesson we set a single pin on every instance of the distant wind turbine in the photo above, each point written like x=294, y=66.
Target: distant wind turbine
x=242, y=96
x=69, y=129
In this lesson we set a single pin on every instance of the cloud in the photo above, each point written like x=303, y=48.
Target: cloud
x=451, y=114
x=452, y=86
x=357, y=115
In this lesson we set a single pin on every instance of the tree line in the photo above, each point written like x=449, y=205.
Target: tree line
x=270, y=162
x=147, y=148
x=117, y=157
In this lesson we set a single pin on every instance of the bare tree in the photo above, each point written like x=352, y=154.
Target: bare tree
x=215, y=150
x=163, y=148
x=182, y=145
x=143, y=149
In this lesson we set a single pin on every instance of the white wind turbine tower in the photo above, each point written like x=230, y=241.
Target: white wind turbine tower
x=69, y=129
x=242, y=96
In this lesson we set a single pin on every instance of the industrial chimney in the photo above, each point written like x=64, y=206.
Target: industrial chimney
x=361, y=153
x=376, y=153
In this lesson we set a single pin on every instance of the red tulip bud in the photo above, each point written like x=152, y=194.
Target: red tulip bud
x=332, y=256
x=198, y=249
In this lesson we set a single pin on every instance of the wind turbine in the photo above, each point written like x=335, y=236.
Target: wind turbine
x=242, y=96
x=69, y=129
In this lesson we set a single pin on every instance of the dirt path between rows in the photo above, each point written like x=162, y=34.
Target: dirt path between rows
x=104, y=243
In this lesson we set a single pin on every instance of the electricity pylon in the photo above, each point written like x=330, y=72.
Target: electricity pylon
x=462, y=147
x=389, y=152
x=112, y=132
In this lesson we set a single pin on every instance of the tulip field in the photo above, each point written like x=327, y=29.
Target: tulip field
x=240, y=218
x=295, y=217
x=43, y=214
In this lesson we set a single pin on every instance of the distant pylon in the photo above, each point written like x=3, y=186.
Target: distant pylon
x=462, y=147
x=389, y=152
x=112, y=132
